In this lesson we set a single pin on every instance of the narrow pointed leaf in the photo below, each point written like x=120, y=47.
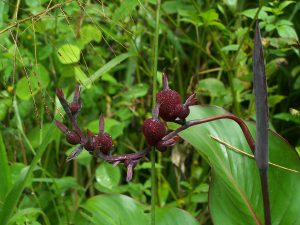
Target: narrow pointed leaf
x=260, y=90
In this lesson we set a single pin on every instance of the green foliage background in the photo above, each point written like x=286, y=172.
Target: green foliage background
x=206, y=48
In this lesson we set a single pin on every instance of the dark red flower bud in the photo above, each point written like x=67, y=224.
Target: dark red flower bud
x=75, y=105
x=104, y=143
x=73, y=138
x=168, y=100
x=75, y=108
x=171, y=107
x=89, y=145
x=153, y=130
x=59, y=93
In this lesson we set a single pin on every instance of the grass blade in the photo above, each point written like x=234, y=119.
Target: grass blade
x=107, y=67
x=5, y=176
x=261, y=103
x=13, y=196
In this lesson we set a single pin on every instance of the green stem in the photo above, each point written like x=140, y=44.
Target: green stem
x=153, y=187
x=155, y=59
x=15, y=15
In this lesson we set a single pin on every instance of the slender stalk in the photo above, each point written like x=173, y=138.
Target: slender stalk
x=15, y=15
x=155, y=59
x=239, y=121
x=153, y=187
x=263, y=173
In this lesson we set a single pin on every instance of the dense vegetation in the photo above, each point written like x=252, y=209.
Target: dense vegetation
x=108, y=47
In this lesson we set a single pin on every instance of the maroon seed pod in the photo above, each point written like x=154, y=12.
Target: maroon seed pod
x=73, y=138
x=153, y=130
x=182, y=111
x=168, y=100
x=89, y=145
x=104, y=143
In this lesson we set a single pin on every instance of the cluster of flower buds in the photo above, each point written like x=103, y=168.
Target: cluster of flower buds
x=170, y=108
x=100, y=142
x=98, y=145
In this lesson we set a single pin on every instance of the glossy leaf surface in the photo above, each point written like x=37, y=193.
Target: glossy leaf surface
x=123, y=210
x=235, y=192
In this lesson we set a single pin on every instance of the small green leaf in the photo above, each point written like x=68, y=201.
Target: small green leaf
x=80, y=76
x=107, y=175
x=275, y=99
x=68, y=54
x=124, y=10
x=88, y=34
x=252, y=12
x=38, y=78
x=286, y=31
x=212, y=87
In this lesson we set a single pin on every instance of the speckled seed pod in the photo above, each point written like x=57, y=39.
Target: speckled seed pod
x=73, y=138
x=104, y=143
x=168, y=99
x=153, y=130
x=182, y=111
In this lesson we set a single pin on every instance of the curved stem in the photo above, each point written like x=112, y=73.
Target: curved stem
x=239, y=121
x=131, y=156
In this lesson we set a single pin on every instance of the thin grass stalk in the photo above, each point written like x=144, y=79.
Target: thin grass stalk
x=155, y=59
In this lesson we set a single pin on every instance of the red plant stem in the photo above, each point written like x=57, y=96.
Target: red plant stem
x=131, y=156
x=239, y=121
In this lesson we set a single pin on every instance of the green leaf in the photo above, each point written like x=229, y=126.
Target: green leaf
x=137, y=91
x=212, y=87
x=5, y=175
x=171, y=7
x=124, y=10
x=286, y=31
x=68, y=54
x=252, y=12
x=173, y=216
x=119, y=209
x=287, y=117
x=107, y=175
x=89, y=33
x=230, y=48
x=285, y=4
x=38, y=78
x=235, y=193
x=275, y=99
x=115, y=209
x=80, y=75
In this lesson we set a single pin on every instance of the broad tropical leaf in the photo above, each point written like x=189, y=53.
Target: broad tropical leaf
x=235, y=192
